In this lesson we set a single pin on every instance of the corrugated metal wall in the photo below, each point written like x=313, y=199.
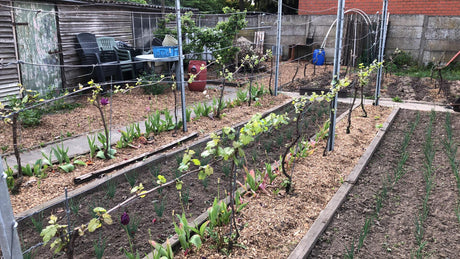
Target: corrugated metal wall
x=9, y=76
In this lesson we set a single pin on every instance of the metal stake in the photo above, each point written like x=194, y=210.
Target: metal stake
x=383, y=34
x=336, y=72
x=180, y=70
x=278, y=46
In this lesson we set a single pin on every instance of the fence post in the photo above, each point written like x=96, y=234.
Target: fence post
x=336, y=72
x=383, y=35
x=278, y=46
x=9, y=239
x=180, y=70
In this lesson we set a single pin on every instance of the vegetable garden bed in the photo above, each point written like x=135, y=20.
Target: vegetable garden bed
x=406, y=202
x=196, y=196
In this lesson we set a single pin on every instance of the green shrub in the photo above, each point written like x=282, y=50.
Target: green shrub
x=30, y=118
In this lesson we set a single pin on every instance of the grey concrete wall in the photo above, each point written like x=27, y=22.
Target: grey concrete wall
x=424, y=37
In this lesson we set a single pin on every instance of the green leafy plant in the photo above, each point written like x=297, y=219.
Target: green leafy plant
x=131, y=178
x=219, y=214
x=99, y=247
x=111, y=188
x=9, y=177
x=74, y=205
x=105, y=152
x=30, y=118
x=62, y=239
x=38, y=223
x=160, y=252
x=183, y=232
x=159, y=208
x=127, y=137
x=67, y=167
x=61, y=154
x=397, y=99
x=27, y=170
x=198, y=109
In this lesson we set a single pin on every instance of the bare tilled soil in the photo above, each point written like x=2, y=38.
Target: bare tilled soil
x=393, y=233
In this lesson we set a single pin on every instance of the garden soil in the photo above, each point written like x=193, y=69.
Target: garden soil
x=393, y=234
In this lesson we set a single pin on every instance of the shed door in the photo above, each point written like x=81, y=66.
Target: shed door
x=37, y=41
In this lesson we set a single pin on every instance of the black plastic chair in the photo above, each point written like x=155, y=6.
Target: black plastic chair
x=124, y=56
x=102, y=64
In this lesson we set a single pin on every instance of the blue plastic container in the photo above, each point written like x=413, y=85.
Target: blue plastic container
x=318, y=57
x=164, y=52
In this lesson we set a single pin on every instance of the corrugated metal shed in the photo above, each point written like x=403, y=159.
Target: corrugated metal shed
x=100, y=17
x=9, y=75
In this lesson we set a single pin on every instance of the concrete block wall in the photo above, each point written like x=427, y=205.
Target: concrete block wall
x=424, y=37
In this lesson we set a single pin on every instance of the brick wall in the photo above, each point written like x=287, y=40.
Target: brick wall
x=426, y=7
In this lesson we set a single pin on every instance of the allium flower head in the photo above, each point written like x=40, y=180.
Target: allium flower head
x=104, y=101
x=124, y=218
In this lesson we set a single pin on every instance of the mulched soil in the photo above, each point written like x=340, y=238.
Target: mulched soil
x=392, y=235
x=130, y=107
x=273, y=224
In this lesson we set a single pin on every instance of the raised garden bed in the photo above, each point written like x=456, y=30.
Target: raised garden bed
x=402, y=206
x=197, y=196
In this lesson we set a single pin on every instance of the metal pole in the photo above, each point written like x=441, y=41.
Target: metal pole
x=336, y=72
x=9, y=239
x=180, y=77
x=278, y=46
x=383, y=33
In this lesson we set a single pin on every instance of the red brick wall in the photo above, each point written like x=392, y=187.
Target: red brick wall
x=427, y=7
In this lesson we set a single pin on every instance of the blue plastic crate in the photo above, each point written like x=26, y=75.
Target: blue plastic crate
x=164, y=52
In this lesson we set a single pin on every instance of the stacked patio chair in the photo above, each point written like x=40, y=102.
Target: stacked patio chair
x=102, y=65
x=107, y=44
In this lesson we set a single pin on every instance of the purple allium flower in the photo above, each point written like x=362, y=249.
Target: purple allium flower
x=124, y=218
x=104, y=101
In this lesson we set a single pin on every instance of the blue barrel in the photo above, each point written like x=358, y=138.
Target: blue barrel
x=318, y=57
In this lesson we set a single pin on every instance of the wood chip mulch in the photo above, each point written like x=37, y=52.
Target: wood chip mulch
x=274, y=224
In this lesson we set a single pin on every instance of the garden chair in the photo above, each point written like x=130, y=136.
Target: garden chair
x=124, y=56
x=101, y=64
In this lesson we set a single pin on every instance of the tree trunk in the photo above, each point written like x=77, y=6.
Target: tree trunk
x=14, y=125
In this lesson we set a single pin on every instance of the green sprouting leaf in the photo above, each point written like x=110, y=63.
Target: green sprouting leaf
x=49, y=232
x=99, y=210
x=161, y=180
x=79, y=162
x=208, y=170
x=207, y=153
x=246, y=139
x=196, y=241
x=196, y=162
x=100, y=154
x=201, y=175
x=107, y=218
x=227, y=152
x=67, y=167
x=94, y=224
x=183, y=167
x=179, y=184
